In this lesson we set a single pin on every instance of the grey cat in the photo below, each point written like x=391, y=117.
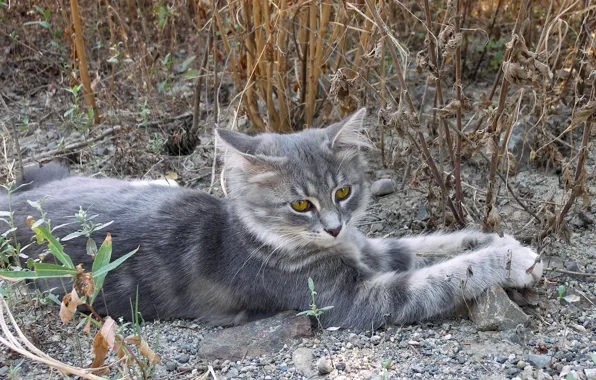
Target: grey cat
x=290, y=214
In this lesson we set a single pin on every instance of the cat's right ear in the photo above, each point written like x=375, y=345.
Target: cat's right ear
x=241, y=153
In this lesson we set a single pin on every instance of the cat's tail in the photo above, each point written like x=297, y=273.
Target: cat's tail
x=36, y=175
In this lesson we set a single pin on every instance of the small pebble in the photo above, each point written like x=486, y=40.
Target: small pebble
x=324, y=366
x=171, y=365
x=521, y=364
x=340, y=366
x=184, y=358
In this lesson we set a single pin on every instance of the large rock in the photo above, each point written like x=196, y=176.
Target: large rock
x=493, y=310
x=254, y=339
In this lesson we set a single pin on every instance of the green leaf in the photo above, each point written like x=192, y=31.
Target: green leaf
x=326, y=308
x=305, y=312
x=54, y=245
x=68, y=112
x=570, y=376
x=101, y=260
x=73, y=235
x=113, y=265
x=43, y=24
x=593, y=356
x=101, y=226
x=191, y=74
x=311, y=284
x=91, y=247
x=27, y=275
x=187, y=62
x=53, y=270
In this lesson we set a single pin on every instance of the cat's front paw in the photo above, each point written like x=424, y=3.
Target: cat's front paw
x=521, y=266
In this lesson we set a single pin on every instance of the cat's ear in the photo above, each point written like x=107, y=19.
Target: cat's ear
x=241, y=153
x=348, y=132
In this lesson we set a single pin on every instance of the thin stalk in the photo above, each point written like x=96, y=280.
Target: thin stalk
x=458, y=95
x=498, y=113
x=80, y=49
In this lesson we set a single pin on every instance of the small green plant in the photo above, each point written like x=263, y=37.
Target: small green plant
x=386, y=364
x=45, y=23
x=10, y=248
x=86, y=285
x=156, y=142
x=560, y=292
x=78, y=119
x=167, y=63
x=144, y=113
x=314, y=310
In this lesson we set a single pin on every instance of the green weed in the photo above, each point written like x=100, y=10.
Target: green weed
x=314, y=310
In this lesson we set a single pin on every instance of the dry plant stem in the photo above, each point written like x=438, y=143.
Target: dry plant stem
x=571, y=272
x=80, y=49
x=459, y=197
x=316, y=59
x=197, y=98
x=490, y=32
x=15, y=138
x=73, y=146
x=439, y=91
x=112, y=39
x=580, y=167
x=32, y=352
x=498, y=113
x=403, y=87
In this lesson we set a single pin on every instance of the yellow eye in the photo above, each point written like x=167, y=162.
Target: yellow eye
x=342, y=193
x=301, y=205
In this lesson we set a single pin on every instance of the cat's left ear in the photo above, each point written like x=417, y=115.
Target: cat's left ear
x=348, y=132
x=241, y=153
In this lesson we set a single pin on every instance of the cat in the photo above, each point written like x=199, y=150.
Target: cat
x=290, y=214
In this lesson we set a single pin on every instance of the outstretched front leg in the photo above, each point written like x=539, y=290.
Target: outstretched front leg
x=405, y=297
x=413, y=252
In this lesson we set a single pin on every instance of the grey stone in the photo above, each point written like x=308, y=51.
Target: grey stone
x=171, y=365
x=324, y=366
x=539, y=361
x=493, y=310
x=233, y=372
x=303, y=359
x=255, y=339
x=382, y=187
x=184, y=358
x=375, y=339
x=340, y=366
x=590, y=373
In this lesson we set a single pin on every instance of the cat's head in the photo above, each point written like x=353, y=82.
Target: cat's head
x=302, y=189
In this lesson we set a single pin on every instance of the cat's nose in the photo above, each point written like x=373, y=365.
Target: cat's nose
x=334, y=231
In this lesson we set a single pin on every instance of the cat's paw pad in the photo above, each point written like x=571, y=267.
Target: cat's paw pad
x=521, y=268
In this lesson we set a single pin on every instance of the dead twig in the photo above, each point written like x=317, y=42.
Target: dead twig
x=15, y=138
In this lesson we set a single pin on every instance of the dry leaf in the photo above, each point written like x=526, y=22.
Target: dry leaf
x=144, y=349
x=69, y=305
x=108, y=331
x=87, y=328
x=83, y=282
x=100, y=350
